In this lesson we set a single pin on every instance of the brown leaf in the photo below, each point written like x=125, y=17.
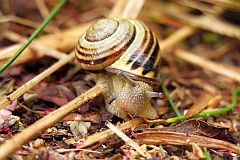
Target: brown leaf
x=167, y=137
x=7, y=88
x=199, y=127
x=200, y=104
x=7, y=78
x=58, y=94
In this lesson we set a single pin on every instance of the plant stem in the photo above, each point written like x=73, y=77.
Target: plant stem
x=34, y=35
x=171, y=101
x=211, y=113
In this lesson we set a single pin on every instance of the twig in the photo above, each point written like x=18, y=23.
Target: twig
x=64, y=41
x=24, y=88
x=208, y=22
x=14, y=143
x=225, y=4
x=128, y=140
x=34, y=34
x=176, y=37
x=101, y=135
x=36, y=46
x=124, y=8
x=24, y=21
x=63, y=150
x=129, y=12
x=199, y=104
x=44, y=12
x=206, y=64
x=166, y=137
x=30, y=110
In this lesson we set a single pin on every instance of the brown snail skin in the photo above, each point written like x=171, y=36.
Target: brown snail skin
x=125, y=55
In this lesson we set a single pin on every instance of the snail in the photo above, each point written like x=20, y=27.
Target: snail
x=125, y=55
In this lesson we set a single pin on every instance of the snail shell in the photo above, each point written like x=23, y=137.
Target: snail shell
x=124, y=47
x=120, y=45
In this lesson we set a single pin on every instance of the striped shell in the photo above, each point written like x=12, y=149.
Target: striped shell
x=125, y=45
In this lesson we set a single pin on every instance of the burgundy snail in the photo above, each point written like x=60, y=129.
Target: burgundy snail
x=125, y=55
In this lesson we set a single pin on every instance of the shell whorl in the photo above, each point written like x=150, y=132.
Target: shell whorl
x=125, y=45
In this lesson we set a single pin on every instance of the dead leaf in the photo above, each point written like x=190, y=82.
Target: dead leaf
x=167, y=137
x=200, y=127
x=7, y=88
x=200, y=104
x=30, y=99
x=57, y=94
x=6, y=117
x=79, y=128
x=6, y=79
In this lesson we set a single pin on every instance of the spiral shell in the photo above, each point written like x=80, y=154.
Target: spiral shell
x=120, y=45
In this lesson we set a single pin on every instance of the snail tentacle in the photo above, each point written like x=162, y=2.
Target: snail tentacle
x=113, y=98
x=154, y=94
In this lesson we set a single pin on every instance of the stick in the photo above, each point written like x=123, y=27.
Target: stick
x=128, y=140
x=36, y=46
x=208, y=22
x=64, y=41
x=24, y=88
x=101, y=135
x=176, y=37
x=174, y=138
x=206, y=64
x=29, y=133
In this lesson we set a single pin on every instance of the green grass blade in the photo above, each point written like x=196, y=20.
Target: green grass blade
x=208, y=157
x=226, y=109
x=171, y=101
x=35, y=33
x=222, y=110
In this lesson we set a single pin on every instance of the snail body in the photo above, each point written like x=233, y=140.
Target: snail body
x=129, y=53
x=121, y=98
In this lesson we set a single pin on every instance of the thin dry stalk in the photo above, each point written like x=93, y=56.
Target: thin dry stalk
x=201, y=84
x=64, y=41
x=174, y=138
x=124, y=8
x=208, y=22
x=44, y=12
x=175, y=37
x=42, y=8
x=128, y=140
x=235, y=5
x=215, y=24
x=129, y=12
x=49, y=120
x=24, y=88
x=101, y=135
x=206, y=64
x=200, y=104
x=23, y=21
x=63, y=150
x=36, y=46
